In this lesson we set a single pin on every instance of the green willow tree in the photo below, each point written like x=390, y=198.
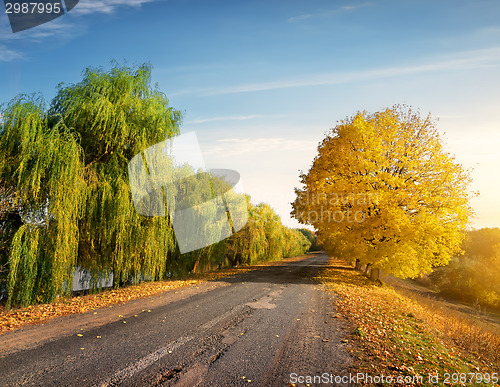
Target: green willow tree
x=64, y=166
x=264, y=238
x=67, y=166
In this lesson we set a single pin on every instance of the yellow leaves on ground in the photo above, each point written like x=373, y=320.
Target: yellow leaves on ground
x=393, y=334
x=15, y=318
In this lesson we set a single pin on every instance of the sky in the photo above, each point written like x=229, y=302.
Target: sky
x=262, y=82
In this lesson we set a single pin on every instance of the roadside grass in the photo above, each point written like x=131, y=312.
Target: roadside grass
x=471, y=333
x=395, y=335
x=34, y=314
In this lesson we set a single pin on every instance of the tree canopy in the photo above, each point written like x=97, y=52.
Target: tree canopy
x=383, y=190
x=67, y=165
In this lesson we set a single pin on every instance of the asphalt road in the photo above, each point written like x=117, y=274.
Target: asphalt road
x=257, y=328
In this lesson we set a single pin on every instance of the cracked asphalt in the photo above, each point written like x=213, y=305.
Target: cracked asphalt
x=256, y=328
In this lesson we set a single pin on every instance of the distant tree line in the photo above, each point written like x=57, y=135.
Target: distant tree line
x=313, y=238
x=65, y=199
x=474, y=275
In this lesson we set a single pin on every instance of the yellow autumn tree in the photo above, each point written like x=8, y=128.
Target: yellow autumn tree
x=382, y=191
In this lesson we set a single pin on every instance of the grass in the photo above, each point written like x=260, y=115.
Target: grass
x=395, y=335
x=471, y=333
x=34, y=314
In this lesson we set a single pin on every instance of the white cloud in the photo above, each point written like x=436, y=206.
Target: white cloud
x=349, y=7
x=227, y=118
x=56, y=27
x=490, y=31
x=62, y=28
x=86, y=7
x=239, y=146
x=7, y=55
x=299, y=18
x=458, y=61
x=325, y=14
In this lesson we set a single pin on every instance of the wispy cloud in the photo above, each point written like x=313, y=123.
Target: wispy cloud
x=195, y=67
x=459, y=61
x=226, y=118
x=239, y=146
x=10, y=42
x=57, y=27
x=299, y=18
x=7, y=55
x=62, y=28
x=85, y=7
x=489, y=31
x=325, y=14
x=350, y=7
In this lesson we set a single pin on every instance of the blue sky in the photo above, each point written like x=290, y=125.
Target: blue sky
x=262, y=81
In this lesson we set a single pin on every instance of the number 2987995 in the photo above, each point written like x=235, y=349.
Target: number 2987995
x=33, y=8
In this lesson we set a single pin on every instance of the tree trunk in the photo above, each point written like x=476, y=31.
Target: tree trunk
x=195, y=267
x=368, y=269
x=375, y=273
x=358, y=265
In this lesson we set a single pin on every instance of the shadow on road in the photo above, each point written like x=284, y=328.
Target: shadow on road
x=296, y=272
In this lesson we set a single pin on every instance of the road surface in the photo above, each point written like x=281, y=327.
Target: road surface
x=257, y=328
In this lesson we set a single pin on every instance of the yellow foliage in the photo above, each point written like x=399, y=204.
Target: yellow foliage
x=383, y=190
